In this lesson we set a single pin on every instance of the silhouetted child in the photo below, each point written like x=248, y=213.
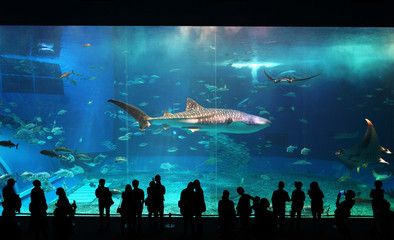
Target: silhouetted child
x=186, y=204
x=105, y=202
x=11, y=205
x=158, y=200
x=199, y=205
x=377, y=196
x=139, y=196
x=244, y=210
x=63, y=215
x=226, y=215
x=265, y=221
x=297, y=204
x=279, y=199
x=38, y=209
x=316, y=195
x=342, y=213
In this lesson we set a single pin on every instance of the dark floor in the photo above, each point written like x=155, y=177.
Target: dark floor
x=87, y=228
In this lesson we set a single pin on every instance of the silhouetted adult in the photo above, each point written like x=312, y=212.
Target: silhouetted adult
x=297, y=204
x=316, y=195
x=63, y=215
x=226, y=215
x=279, y=199
x=244, y=210
x=149, y=201
x=105, y=202
x=158, y=200
x=138, y=195
x=186, y=205
x=126, y=207
x=38, y=209
x=199, y=205
x=377, y=196
x=342, y=213
x=11, y=205
x=265, y=221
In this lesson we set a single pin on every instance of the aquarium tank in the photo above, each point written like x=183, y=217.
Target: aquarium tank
x=230, y=106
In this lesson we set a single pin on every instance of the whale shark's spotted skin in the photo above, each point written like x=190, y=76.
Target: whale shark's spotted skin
x=198, y=118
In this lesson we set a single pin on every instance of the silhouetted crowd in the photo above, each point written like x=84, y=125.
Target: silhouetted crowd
x=266, y=223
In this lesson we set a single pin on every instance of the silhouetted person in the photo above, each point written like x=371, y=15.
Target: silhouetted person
x=158, y=200
x=377, y=196
x=105, y=202
x=265, y=221
x=226, y=215
x=342, y=213
x=279, y=199
x=244, y=210
x=149, y=201
x=138, y=195
x=126, y=207
x=297, y=204
x=63, y=215
x=316, y=195
x=199, y=205
x=257, y=209
x=186, y=204
x=11, y=205
x=38, y=209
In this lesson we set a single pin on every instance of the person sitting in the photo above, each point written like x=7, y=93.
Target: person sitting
x=38, y=209
x=342, y=212
x=104, y=196
x=226, y=213
x=297, y=204
x=63, y=215
x=279, y=199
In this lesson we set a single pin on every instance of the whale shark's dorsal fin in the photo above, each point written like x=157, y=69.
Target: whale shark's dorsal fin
x=167, y=114
x=192, y=105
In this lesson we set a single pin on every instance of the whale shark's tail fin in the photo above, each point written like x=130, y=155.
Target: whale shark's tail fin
x=135, y=112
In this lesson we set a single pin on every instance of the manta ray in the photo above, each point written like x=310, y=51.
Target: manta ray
x=198, y=118
x=367, y=152
x=288, y=79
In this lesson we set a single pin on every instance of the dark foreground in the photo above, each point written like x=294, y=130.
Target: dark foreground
x=88, y=228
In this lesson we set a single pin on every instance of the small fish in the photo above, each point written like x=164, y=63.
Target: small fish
x=66, y=74
x=305, y=151
x=61, y=112
x=9, y=144
x=181, y=137
x=144, y=144
x=49, y=137
x=90, y=102
x=87, y=45
x=290, y=94
x=243, y=102
x=143, y=104
x=80, y=140
x=303, y=120
x=343, y=178
x=124, y=137
x=202, y=142
x=120, y=159
x=50, y=153
x=172, y=149
x=301, y=162
x=381, y=177
x=193, y=148
x=291, y=148
x=167, y=166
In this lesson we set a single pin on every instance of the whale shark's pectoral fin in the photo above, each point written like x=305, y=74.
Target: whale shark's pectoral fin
x=193, y=129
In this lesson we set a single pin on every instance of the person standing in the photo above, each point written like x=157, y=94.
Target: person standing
x=63, y=215
x=199, y=205
x=38, y=209
x=11, y=205
x=158, y=200
x=105, y=202
x=316, y=195
x=138, y=196
x=297, y=204
x=279, y=199
x=342, y=213
x=227, y=215
x=186, y=205
x=243, y=211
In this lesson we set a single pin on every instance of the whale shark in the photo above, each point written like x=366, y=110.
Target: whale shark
x=369, y=151
x=198, y=118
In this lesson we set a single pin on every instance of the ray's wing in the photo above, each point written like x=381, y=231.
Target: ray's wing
x=306, y=78
x=268, y=76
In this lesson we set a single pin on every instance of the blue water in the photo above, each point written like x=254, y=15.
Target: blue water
x=157, y=68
